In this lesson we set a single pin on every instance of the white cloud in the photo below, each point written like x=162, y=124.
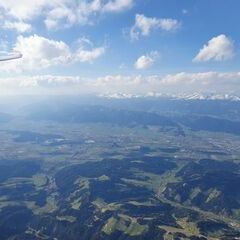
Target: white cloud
x=60, y=13
x=82, y=12
x=87, y=52
x=39, y=53
x=20, y=27
x=24, y=9
x=89, y=55
x=42, y=84
x=144, y=25
x=219, y=48
x=202, y=82
x=60, y=17
x=174, y=83
x=146, y=61
x=117, y=5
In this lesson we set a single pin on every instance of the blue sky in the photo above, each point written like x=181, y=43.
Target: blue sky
x=121, y=45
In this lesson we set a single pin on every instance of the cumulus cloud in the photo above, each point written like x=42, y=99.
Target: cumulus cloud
x=202, y=82
x=60, y=13
x=42, y=84
x=146, y=61
x=39, y=53
x=117, y=5
x=60, y=17
x=23, y=10
x=174, y=83
x=219, y=48
x=20, y=27
x=144, y=25
x=86, y=52
x=89, y=55
x=83, y=12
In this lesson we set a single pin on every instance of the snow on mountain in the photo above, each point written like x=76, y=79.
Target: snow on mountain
x=181, y=96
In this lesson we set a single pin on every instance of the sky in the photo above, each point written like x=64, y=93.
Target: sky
x=127, y=46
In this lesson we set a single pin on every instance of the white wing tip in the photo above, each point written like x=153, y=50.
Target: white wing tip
x=10, y=56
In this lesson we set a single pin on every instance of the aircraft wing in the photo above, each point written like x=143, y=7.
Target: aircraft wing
x=10, y=56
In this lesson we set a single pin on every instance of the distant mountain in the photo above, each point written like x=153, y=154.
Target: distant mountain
x=94, y=114
x=183, y=96
x=5, y=117
x=213, y=116
x=225, y=109
x=211, y=124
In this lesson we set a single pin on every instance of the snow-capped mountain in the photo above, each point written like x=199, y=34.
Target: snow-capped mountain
x=180, y=96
